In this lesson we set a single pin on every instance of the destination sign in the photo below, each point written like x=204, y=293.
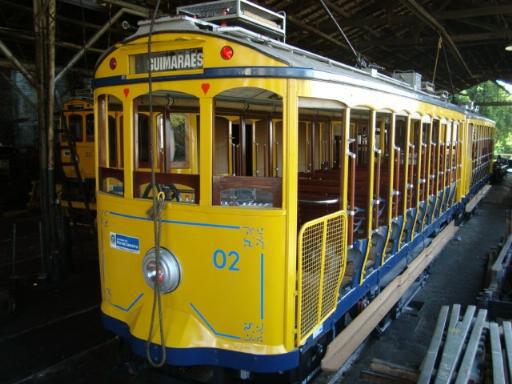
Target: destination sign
x=168, y=61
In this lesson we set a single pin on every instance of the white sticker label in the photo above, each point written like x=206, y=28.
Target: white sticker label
x=318, y=331
x=124, y=243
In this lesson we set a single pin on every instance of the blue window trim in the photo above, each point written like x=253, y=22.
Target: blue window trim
x=223, y=72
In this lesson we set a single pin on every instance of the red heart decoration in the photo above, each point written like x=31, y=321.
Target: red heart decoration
x=126, y=91
x=205, y=87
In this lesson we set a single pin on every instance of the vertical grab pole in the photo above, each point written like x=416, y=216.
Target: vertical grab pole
x=231, y=146
x=425, y=178
x=378, y=153
x=313, y=145
x=410, y=185
x=270, y=154
x=449, y=181
x=440, y=173
x=348, y=161
x=446, y=172
x=437, y=169
x=455, y=168
x=428, y=167
x=369, y=203
x=352, y=199
x=418, y=180
x=309, y=161
x=396, y=181
x=405, y=178
x=392, y=178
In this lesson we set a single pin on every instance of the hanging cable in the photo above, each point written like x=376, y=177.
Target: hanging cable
x=360, y=61
x=155, y=214
x=449, y=71
x=439, y=46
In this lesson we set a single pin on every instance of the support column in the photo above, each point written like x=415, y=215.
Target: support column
x=50, y=112
x=44, y=30
x=39, y=32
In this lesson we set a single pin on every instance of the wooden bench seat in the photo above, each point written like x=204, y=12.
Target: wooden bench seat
x=319, y=191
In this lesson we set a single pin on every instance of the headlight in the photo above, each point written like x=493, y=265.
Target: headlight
x=169, y=271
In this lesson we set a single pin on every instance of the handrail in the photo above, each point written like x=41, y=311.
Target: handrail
x=396, y=180
x=377, y=188
x=352, y=197
x=320, y=202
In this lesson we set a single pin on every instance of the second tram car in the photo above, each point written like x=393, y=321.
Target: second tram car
x=295, y=187
x=77, y=139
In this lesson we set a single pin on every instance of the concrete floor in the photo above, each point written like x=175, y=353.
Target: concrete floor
x=456, y=277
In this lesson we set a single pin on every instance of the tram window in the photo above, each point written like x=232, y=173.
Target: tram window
x=112, y=141
x=75, y=127
x=320, y=135
x=174, y=120
x=173, y=137
x=179, y=131
x=121, y=141
x=89, y=127
x=247, y=148
x=143, y=141
x=111, y=176
x=360, y=120
x=224, y=143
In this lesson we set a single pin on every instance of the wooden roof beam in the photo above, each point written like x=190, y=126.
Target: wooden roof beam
x=18, y=34
x=474, y=12
x=317, y=32
x=423, y=15
x=453, y=14
x=465, y=39
x=65, y=19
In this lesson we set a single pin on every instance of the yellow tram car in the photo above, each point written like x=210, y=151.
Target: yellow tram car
x=294, y=185
x=77, y=127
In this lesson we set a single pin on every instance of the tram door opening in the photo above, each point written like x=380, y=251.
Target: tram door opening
x=320, y=153
x=247, y=156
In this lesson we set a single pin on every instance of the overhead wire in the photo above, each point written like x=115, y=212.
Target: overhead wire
x=155, y=213
x=439, y=47
x=449, y=71
x=360, y=61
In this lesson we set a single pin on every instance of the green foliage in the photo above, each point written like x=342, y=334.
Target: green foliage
x=178, y=122
x=502, y=115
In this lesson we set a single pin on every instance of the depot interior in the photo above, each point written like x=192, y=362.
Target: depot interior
x=49, y=50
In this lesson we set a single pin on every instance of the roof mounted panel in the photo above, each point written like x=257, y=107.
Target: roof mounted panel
x=240, y=13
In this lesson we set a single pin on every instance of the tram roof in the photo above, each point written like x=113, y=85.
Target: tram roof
x=308, y=64
x=388, y=33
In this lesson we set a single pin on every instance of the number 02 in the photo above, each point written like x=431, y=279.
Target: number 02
x=223, y=260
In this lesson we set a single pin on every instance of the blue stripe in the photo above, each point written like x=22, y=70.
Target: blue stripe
x=191, y=223
x=262, y=291
x=129, y=307
x=198, y=313
x=215, y=73
x=210, y=356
